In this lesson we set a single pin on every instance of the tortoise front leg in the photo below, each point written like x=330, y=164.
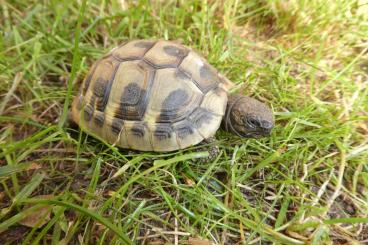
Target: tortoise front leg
x=213, y=151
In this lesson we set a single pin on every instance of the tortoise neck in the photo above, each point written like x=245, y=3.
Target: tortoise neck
x=226, y=121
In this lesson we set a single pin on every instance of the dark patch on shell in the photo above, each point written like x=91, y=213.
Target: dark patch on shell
x=131, y=94
x=184, y=130
x=172, y=102
x=219, y=91
x=99, y=88
x=88, y=79
x=174, y=51
x=132, y=102
x=99, y=119
x=144, y=44
x=92, y=100
x=201, y=116
x=138, y=130
x=162, y=132
x=88, y=112
x=102, y=91
x=117, y=125
x=206, y=73
x=87, y=82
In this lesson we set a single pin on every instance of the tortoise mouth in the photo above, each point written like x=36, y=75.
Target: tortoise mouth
x=255, y=133
x=243, y=131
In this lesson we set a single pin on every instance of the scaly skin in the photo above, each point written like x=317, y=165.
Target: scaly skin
x=247, y=117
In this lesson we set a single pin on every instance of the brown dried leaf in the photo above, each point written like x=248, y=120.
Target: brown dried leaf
x=189, y=181
x=2, y=196
x=40, y=216
x=363, y=127
x=34, y=166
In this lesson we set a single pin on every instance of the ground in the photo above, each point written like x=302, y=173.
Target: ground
x=306, y=184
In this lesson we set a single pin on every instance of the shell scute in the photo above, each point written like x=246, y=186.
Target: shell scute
x=163, y=137
x=130, y=91
x=114, y=131
x=200, y=117
x=166, y=54
x=203, y=74
x=116, y=126
x=172, y=98
x=99, y=119
x=138, y=135
x=88, y=113
x=99, y=84
x=187, y=134
x=133, y=50
x=215, y=101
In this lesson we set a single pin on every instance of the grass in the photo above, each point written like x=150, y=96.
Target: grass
x=306, y=184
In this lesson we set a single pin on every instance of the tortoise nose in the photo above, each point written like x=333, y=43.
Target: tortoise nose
x=266, y=124
x=267, y=127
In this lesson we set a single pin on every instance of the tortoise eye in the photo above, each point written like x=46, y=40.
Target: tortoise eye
x=250, y=122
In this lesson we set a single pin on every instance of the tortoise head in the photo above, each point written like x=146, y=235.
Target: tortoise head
x=248, y=117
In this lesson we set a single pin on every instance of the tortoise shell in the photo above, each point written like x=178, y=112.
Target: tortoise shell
x=151, y=96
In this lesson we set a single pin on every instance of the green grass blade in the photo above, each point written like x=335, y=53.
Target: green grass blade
x=350, y=220
x=29, y=188
x=181, y=158
x=75, y=64
x=8, y=170
x=92, y=214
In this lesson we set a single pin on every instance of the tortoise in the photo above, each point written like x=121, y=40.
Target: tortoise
x=157, y=95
